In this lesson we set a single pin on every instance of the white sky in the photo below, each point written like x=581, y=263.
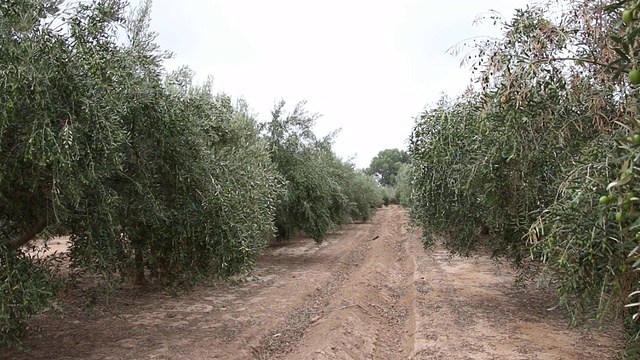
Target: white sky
x=368, y=66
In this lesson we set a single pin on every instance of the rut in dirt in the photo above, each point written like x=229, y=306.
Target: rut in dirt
x=371, y=314
x=369, y=292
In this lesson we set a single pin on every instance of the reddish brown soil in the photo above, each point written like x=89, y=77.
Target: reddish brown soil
x=354, y=297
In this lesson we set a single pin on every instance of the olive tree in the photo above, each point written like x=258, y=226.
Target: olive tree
x=530, y=154
x=150, y=175
x=321, y=190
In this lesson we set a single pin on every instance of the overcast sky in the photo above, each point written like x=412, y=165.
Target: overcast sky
x=368, y=66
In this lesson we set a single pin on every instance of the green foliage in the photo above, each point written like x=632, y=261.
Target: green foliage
x=580, y=240
x=25, y=287
x=365, y=195
x=529, y=153
x=321, y=190
x=198, y=186
x=149, y=174
x=59, y=134
x=388, y=195
x=386, y=164
x=624, y=246
x=404, y=185
x=248, y=188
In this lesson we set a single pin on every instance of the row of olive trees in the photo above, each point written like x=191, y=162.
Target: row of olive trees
x=322, y=191
x=151, y=175
x=528, y=155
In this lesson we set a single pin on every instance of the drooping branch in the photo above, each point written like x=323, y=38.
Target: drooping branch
x=575, y=59
x=29, y=235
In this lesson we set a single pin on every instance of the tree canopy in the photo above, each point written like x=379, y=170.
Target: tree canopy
x=386, y=164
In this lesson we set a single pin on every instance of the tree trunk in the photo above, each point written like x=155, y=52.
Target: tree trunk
x=29, y=235
x=139, y=267
x=138, y=247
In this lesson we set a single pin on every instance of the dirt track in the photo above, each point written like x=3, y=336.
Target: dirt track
x=354, y=297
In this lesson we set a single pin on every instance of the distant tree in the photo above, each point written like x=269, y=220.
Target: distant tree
x=386, y=164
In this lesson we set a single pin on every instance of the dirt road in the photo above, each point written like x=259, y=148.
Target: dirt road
x=369, y=292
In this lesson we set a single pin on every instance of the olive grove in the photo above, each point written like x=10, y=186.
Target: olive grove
x=153, y=177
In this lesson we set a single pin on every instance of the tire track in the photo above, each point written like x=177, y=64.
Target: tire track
x=371, y=315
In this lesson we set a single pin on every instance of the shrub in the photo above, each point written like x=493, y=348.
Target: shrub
x=365, y=196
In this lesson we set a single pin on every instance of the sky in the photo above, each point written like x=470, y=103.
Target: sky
x=369, y=67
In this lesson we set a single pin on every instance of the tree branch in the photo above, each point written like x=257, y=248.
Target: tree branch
x=26, y=237
x=558, y=59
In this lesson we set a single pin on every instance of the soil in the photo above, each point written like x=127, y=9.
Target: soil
x=369, y=292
